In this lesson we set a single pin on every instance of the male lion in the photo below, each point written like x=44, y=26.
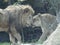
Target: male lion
x=13, y=16
x=48, y=24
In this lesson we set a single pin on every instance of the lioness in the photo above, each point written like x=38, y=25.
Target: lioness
x=48, y=24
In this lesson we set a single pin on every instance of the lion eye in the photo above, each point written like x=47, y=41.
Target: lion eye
x=26, y=10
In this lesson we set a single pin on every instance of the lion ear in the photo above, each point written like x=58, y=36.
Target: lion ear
x=39, y=14
x=26, y=10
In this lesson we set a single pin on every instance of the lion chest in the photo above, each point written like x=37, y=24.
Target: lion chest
x=4, y=21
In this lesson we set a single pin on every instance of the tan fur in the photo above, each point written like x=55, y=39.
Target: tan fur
x=54, y=38
x=48, y=24
x=20, y=12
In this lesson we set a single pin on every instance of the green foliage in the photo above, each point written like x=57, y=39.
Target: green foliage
x=5, y=0
x=55, y=4
x=4, y=43
x=17, y=3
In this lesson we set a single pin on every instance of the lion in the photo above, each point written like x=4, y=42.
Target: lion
x=47, y=22
x=15, y=16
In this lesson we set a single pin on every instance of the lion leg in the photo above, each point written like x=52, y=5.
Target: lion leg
x=43, y=37
x=16, y=35
x=12, y=39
